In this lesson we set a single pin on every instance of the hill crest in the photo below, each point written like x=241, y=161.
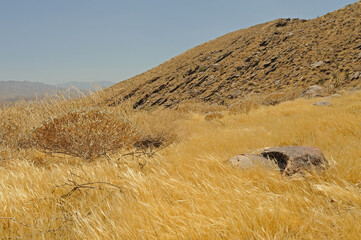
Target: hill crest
x=284, y=55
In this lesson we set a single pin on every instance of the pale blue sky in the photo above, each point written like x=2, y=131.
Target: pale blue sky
x=55, y=41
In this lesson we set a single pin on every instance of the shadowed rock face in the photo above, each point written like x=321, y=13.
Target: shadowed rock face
x=295, y=159
x=289, y=159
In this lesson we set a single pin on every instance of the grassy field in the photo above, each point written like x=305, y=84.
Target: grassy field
x=183, y=190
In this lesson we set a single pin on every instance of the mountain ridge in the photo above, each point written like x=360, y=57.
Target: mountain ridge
x=11, y=91
x=284, y=55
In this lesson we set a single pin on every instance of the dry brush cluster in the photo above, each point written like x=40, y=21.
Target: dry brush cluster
x=82, y=127
x=85, y=134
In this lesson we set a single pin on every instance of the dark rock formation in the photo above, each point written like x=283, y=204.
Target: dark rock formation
x=289, y=160
x=295, y=159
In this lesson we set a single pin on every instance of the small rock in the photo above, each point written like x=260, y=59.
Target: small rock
x=267, y=64
x=290, y=34
x=240, y=67
x=235, y=93
x=321, y=103
x=264, y=43
x=211, y=81
x=282, y=22
x=318, y=64
x=356, y=75
x=297, y=159
x=357, y=88
x=245, y=161
x=313, y=91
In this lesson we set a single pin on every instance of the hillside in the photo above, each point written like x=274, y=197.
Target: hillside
x=283, y=56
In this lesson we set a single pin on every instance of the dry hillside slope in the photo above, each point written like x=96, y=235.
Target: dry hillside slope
x=285, y=55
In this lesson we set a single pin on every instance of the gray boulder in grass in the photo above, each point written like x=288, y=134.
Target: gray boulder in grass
x=245, y=161
x=288, y=159
x=297, y=159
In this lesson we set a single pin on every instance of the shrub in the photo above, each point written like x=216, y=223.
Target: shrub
x=278, y=97
x=244, y=106
x=1, y=137
x=213, y=116
x=10, y=130
x=85, y=134
x=202, y=69
x=191, y=106
x=154, y=141
x=159, y=128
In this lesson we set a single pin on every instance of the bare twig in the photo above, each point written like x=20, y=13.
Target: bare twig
x=73, y=174
x=67, y=216
x=107, y=157
x=150, y=152
x=98, y=204
x=14, y=220
x=77, y=186
x=87, y=185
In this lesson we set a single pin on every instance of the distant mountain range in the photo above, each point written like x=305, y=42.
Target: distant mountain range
x=11, y=91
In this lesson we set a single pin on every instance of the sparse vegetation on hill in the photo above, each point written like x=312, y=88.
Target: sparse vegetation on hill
x=284, y=56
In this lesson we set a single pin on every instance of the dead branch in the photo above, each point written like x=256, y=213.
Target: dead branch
x=14, y=220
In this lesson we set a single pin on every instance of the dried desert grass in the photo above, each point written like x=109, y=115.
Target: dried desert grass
x=186, y=191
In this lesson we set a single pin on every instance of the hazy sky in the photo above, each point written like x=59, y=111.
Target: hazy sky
x=55, y=41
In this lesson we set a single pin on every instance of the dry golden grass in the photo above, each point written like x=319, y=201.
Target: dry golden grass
x=213, y=116
x=186, y=191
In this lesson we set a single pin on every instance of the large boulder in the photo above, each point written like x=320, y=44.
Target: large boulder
x=295, y=159
x=245, y=161
x=289, y=160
